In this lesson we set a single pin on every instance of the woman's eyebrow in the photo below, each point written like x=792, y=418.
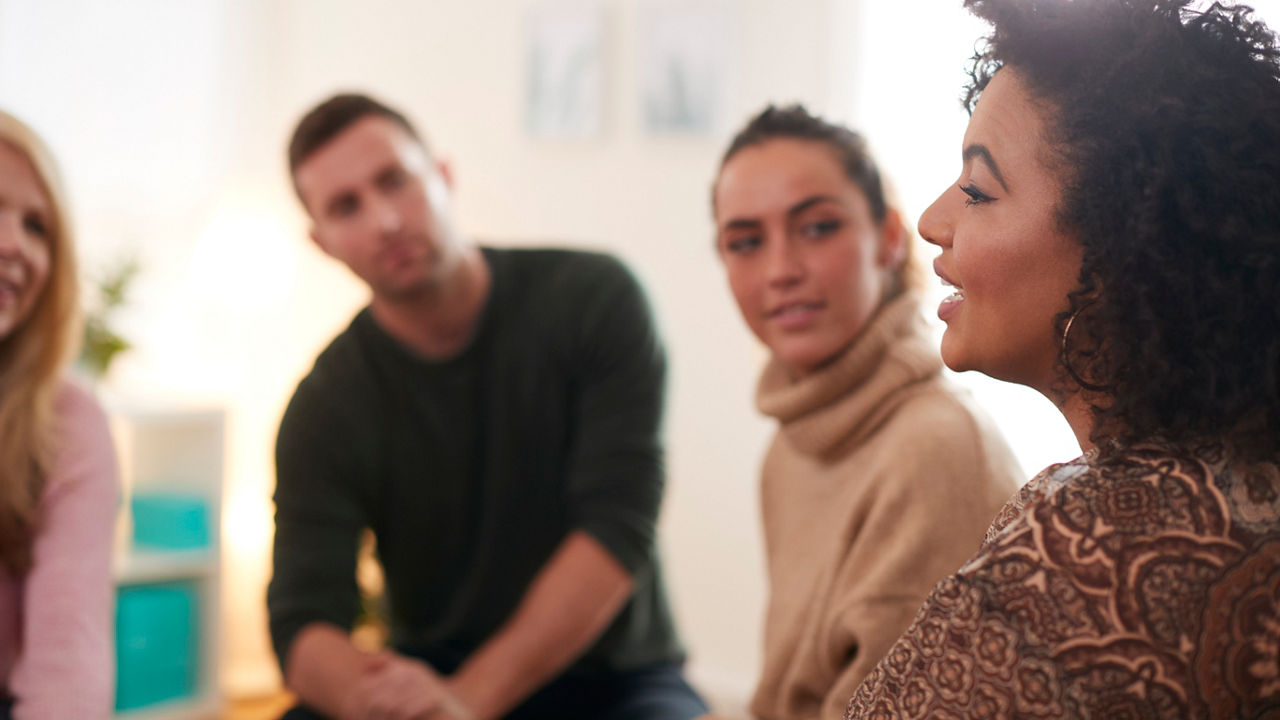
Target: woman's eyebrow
x=809, y=202
x=982, y=153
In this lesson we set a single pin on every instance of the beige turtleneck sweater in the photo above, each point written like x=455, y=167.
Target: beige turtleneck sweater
x=881, y=481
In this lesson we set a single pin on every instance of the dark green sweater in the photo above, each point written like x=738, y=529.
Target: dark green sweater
x=471, y=471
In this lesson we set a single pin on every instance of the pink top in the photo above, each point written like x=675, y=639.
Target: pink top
x=56, y=653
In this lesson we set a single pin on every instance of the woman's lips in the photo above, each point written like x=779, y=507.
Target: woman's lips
x=9, y=291
x=950, y=305
x=796, y=315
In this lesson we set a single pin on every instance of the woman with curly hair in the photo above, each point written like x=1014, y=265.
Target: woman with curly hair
x=1114, y=242
x=883, y=476
x=58, y=477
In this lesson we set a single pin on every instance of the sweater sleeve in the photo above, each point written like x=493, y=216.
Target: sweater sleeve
x=66, y=666
x=319, y=519
x=929, y=514
x=616, y=460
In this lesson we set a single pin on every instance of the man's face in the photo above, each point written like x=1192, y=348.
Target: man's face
x=381, y=205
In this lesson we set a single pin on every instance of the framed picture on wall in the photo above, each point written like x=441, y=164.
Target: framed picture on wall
x=682, y=64
x=565, y=70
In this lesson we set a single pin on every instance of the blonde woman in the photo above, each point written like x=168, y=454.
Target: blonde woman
x=58, y=476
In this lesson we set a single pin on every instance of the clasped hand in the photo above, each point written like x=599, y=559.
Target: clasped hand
x=395, y=687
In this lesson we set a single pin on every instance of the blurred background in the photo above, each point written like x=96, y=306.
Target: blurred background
x=591, y=124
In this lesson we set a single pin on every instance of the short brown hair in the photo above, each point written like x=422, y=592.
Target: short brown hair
x=327, y=120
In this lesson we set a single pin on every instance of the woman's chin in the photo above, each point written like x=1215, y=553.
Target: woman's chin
x=952, y=353
x=958, y=361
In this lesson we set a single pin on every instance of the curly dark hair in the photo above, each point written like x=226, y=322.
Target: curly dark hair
x=1163, y=123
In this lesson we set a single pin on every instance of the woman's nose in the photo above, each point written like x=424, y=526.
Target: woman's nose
x=936, y=223
x=10, y=232
x=786, y=266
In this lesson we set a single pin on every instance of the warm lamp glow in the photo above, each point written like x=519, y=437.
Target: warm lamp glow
x=247, y=524
x=245, y=258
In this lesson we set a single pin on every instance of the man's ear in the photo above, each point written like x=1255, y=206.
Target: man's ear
x=892, y=251
x=314, y=233
x=446, y=172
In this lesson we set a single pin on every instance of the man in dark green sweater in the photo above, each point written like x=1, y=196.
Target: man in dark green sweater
x=493, y=416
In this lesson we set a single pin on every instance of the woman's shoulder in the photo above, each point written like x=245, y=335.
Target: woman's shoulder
x=83, y=445
x=1135, y=551
x=74, y=401
x=1116, y=497
x=1147, y=501
x=943, y=422
x=78, y=413
x=943, y=412
x=1034, y=491
x=1145, y=490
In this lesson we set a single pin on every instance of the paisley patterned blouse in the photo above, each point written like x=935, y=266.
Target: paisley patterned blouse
x=1141, y=584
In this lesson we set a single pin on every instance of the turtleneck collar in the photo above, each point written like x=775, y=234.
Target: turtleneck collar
x=845, y=398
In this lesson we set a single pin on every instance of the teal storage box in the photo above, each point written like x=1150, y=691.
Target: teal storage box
x=169, y=521
x=157, y=645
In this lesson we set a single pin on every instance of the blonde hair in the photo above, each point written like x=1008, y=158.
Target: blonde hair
x=32, y=358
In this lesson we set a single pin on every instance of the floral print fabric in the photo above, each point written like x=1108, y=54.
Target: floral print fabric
x=1144, y=583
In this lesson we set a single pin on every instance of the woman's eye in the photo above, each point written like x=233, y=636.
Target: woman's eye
x=976, y=196
x=742, y=245
x=819, y=229
x=36, y=226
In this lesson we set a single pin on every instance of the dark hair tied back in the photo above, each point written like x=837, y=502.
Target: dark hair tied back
x=796, y=123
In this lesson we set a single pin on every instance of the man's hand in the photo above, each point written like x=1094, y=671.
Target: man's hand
x=336, y=679
x=394, y=687
x=569, y=603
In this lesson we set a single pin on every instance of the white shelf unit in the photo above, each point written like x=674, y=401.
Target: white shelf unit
x=175, y=451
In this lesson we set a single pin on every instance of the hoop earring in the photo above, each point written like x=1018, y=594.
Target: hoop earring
x=1066, y=354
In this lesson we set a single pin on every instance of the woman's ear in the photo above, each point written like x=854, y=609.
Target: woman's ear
x=894, y=238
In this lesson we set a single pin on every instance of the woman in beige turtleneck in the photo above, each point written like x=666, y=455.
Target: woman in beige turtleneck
x=882, y=478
